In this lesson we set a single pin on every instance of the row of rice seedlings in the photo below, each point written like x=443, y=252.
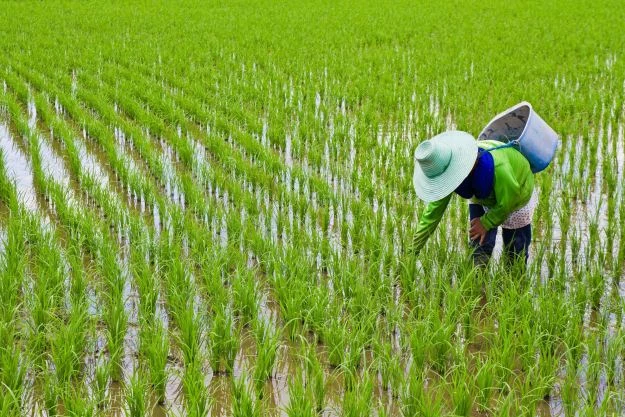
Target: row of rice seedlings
x=140, y=88
x=69, y=342
x=65, y=335
x=154, y=342
x=171, y=134
x=13, y=269
x=131, y=178
x=116, y=340
x=244, y=400
x=181, y=302
x=154, y=349
x=54, y=318
x=46, y=300
x=135, y=87
x=110, y=206
x=66, y=361
x=227, y=128
x=197, y=342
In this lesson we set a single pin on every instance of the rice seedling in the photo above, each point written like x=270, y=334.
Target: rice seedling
x=301, y=400
x=594, y=365
x=534, y=386
x=388, y=365
x=50, y=393
x=245, y=295
x=504, y=353
x=267, y=345
x=316, y=377
x=214, y=268
x=191, y=335
x=316, y=315
x=66, y=345
x=416, y=401
x=147, y=289
x=569, y=391
x=596, y=285
x=485, y=383
x=352, y=360
x=291, y=295
x=462, y=390
x=155, y=347
x=335, y=338
x=14, y=367
x=244, y=402
x=197, y=398
x=116, y=319
x=77, y=403
x=606, y=404
x=418, y=347
x=137, y=395
x=99, y=386
x=612, y=353
x=358, y=400
x=439, y=344
x=509, y=406
x=224, y=342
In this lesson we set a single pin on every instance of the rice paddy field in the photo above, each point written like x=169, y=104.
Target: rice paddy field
x=205, y=209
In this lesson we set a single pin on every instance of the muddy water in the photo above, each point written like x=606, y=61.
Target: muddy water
x=91, y=165
x=93, y=162
x=18, y=168
x=52, y=164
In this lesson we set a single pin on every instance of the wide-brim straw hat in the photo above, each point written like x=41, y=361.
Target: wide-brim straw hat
x=442, y=163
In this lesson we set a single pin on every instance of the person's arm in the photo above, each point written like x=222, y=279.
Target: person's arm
x=428, y=222
x=508, y=196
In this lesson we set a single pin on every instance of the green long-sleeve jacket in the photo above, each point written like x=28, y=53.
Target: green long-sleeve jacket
x=513, y=185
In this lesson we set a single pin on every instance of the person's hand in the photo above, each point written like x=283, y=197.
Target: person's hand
x=477, y=231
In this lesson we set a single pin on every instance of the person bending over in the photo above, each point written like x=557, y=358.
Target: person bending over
x=498, y=182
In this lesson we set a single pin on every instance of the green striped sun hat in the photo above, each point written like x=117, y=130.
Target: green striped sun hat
x=442, y=163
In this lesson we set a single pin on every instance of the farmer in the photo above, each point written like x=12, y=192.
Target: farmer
x=499, y=184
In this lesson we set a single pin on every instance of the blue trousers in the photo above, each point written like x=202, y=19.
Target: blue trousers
x=516, y=241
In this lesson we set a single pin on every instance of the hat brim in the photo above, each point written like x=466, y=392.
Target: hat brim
x=463, y=154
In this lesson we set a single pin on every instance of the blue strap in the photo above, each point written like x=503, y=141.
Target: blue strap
x=510, y=144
